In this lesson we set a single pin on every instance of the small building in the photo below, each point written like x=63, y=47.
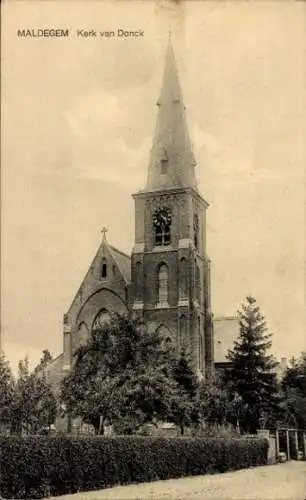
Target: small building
x=226, y=331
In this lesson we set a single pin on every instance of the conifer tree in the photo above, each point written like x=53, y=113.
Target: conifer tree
x=252, y=370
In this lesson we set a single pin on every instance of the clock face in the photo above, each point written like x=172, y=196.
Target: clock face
x=162, y=217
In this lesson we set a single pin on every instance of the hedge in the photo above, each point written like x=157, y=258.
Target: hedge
x=40, y=466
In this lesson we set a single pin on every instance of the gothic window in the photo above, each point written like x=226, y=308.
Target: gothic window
x=165, y=334
x=196, y=231
x=164, y=163
x=200, y=343
x=138, y=280
x=183, y=331
x=162, y=219
x=198, y=283
x=183, y=277
x=201, y=353
x=163, y=284
x=101, y=319
x=104, y=269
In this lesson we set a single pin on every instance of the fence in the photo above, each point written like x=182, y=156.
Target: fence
x=285, y=444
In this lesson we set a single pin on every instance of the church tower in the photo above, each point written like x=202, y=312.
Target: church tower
x=170, y=270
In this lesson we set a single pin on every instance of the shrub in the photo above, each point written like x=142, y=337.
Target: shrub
x=223, y=430
x=34, y=467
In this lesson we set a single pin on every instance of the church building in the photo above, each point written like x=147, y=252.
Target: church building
x=166, y=279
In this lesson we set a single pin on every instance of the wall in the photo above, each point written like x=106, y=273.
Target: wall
x=264, y=433
x=226, y=330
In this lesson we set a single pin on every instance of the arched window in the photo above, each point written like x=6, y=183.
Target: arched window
x=101, y=319
x=201, y=353
x=104, y=269
x=200, y=344
x=198, y=284
x=163, y=284
x=164, y=162
x=165, y=334
x=196, y=231
x=164, y=165
x=183, y=277
x=183, y=331
x=138, y=280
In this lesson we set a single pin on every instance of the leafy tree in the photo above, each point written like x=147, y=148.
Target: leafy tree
x=217, y=406
x=120, y=375
x=44, y=361
x=252, y=372
x=34, y=404
x=294, y=392
x=213, y=404
x=6, y=390
x=183, y=404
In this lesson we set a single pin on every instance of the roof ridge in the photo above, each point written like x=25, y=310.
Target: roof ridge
x=56, y=357
x=119, y=251
x=113, y=251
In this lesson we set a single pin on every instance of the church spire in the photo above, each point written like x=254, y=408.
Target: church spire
x=172, y=162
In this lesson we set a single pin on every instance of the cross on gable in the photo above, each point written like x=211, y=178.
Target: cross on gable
x=104, y=231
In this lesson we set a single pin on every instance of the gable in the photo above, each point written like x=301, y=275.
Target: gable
x=110, y=269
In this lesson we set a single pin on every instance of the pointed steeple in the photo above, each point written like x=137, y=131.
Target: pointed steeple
x=172, y=163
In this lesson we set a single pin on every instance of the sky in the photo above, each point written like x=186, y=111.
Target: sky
x=78, y=119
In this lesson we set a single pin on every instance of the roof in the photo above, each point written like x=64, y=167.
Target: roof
x=172, y=162
x=226, y=331
x=123, y=261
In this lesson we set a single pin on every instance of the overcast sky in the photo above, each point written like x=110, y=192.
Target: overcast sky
x=78, y=117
